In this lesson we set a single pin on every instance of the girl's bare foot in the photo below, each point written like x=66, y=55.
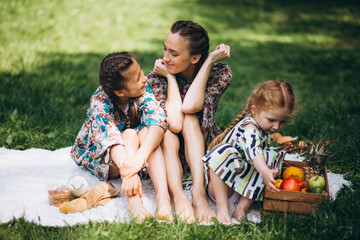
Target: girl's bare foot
x=136, y=208
x=203, y=211
x=223, y=216
x=239, y=214
x=183, y=208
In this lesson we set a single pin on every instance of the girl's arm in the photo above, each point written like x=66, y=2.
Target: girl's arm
x=250, y=142
x=152, y=140
x=175, y=116
x=194, y=98
x=266, y=172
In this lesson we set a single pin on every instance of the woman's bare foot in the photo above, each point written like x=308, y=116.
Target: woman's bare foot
x=164, y=211
x=203, y=211
x=239, y=214
x=223, y=216
x=183, y=208
x=136, y=208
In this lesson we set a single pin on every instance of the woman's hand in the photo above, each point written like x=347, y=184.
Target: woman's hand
x=269, y=180
x=160, y=68
x=131, y=186
x=132, y=166
x=221, y=52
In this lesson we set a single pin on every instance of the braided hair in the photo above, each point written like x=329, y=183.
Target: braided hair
x=198, y=39
x=112, y=78
x=270, y=94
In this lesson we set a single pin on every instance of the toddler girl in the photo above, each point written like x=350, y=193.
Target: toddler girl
x=122, y=133
x=240, y=161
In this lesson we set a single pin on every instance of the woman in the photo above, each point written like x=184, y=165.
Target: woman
x=189, y=82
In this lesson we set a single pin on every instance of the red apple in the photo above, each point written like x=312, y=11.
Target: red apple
x=291, y=184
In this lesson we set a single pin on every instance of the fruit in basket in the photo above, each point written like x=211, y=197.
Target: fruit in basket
x=317, y=190
x=318, y=153
x=278, y=182
x=316, y=184
x=293, y=172
x=291, y=184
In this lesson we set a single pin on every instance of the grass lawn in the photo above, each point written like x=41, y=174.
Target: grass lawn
x=50, y=53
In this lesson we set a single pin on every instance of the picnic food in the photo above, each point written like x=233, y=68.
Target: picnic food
x=291, y=184
x=293, y=172
x=59, y=195
x=318, y=153
x=278, y=182
x=78, y=185
x=316, y=184
x=98, y=195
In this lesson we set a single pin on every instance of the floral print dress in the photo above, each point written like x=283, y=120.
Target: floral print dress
x=232, y=159
x=219, y=80
x=102, y=129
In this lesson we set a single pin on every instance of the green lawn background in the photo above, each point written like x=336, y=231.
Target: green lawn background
x=50, y=53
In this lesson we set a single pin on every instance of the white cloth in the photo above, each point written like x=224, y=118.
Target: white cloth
x=26, y=176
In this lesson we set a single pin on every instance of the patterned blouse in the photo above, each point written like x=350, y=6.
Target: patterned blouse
x=219, y=80
x=102, y=129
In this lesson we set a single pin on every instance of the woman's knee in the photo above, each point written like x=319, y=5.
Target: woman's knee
x=191, y=122
x=170, y=141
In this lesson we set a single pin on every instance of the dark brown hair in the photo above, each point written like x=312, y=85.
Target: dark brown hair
x=269, y=95
x=197, y=37
x=112, y=77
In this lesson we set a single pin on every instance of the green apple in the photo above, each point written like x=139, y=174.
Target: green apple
x=316, y=182
x=317, y=190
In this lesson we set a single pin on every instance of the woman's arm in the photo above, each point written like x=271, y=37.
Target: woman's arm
x=175, y=116
x=194, y=98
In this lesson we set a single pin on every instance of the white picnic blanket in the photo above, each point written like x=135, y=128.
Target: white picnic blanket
x=26, y=176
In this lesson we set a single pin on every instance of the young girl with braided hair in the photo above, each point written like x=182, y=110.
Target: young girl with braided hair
x=122, y=133
x=240, y=162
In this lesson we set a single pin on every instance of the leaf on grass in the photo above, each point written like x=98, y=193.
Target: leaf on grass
x=9, y=139
x=51, y=135
x=14, y=115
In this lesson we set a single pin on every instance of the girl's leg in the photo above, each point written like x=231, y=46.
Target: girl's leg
x=241, y=208
x=170, y=146
x=194, y=151
x=221, y=192
x=134, y=203
x=157, y=172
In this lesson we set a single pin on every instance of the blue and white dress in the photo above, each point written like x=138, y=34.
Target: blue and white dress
x=103, y=126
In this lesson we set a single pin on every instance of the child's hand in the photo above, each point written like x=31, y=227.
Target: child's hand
x=160, y=68
x=131, y=166
x=269, y=180
x=131, y=186
x=221, y=52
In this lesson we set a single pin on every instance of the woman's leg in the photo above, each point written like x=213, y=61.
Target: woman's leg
x=157, y=172
x=170, y=146
x=134, y=203
x=194, y=151
x=221, y=192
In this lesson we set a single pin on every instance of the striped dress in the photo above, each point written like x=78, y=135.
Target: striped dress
x=232, y=159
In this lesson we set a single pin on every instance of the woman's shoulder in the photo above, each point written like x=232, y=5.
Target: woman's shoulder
x=221, y=71
x=221, y=67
